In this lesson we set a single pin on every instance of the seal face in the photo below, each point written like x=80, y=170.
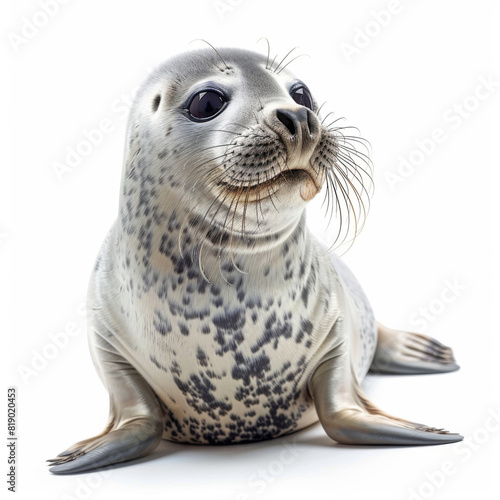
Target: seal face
x=215, y=316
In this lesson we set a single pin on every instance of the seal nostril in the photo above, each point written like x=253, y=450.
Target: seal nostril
x=286, y=121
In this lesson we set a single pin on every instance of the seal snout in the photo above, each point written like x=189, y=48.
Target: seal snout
x=299, y=125
x=299, y=130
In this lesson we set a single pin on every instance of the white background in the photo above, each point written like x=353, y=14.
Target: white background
x=439, y=224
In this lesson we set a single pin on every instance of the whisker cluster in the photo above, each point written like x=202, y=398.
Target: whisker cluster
x=349, y=185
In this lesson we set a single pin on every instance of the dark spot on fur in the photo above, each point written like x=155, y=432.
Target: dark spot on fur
x=198, y=391
x=158, y=364
x=183, y=328
x=230, y=319
x=305, y=295
x=245, y=369
x=162, y=322
x=201, y=357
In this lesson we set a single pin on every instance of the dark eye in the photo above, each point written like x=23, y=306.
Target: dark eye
x=206, y=105
x=303, y=97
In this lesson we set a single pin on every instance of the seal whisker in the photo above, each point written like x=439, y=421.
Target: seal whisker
x=326, y=197
x=353, y=167
x=268, y=50
x=281, y=62
x=227, y=145
x=359, y=154
x=217, y=52
x=355, y=217
x=291, y=61
x=330, y=187
x=219, y=176
x=239, y=125
x=185, y=223
x=361, y=205
x=225, y=195
x=357, y=167
x=223, y=131
x=245, y=206
x=328, y=126
x=346, y=200
x=228, y=211
x=338, y=208
x=231, y=253
x=339, y=130
x=272, y=62
x=273, y=194
x=270, y=194
x=354, y=138
x=214, y=201
x=200, y=263
x=258, y=205
x=222, y=274
x=355, y=171
x=319, y=111
x=217, y=166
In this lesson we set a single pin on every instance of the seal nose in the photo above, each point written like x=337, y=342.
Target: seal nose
x=301, y=124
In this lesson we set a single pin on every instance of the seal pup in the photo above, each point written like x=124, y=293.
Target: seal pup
x=214, y=316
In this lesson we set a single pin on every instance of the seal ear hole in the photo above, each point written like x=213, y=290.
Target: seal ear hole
x=156, y=103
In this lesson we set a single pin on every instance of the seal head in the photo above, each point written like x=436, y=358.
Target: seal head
x=237, y=141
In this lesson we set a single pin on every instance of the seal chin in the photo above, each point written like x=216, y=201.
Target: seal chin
x=308, y=182
x=311, y=185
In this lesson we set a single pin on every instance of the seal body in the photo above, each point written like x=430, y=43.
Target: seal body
x=229, y=361
x=215, y=317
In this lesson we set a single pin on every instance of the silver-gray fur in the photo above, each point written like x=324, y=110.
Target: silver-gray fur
x=214, y=315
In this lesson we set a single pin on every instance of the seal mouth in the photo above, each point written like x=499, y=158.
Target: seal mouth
x=292, y=177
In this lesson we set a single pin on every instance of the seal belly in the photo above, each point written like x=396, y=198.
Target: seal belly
x=215, y=397
x=240, y=396
x=206, y=410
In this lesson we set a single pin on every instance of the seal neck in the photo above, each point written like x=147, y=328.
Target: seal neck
x=238, y=243
x=176, y=244
x=258, y=260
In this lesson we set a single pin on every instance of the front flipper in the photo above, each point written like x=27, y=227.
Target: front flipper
x=349, y=417
x=135, y=424
x=410, y=353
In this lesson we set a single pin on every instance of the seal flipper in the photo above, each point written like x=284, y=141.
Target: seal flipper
x=349, y=417
x=410, y=353
x=135, y=424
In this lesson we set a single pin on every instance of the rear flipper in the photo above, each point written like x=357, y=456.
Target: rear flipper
x=349, y=417
x=410, y=353
x=135, y=424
